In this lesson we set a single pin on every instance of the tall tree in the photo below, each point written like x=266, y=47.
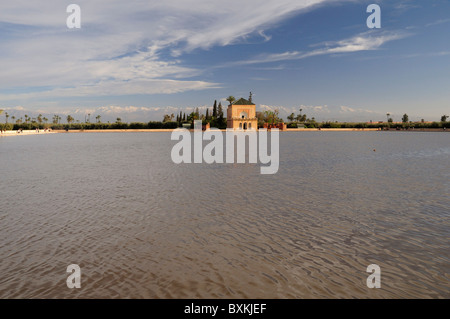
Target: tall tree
x=291, y=117
x=220, y=113
x=70, y=119
x=214, y=114
x=301, y=118
x=231, y=99
x=444, y=118
x=207, y=114
x=192, y=117
x=405, y=118
x=271, y=117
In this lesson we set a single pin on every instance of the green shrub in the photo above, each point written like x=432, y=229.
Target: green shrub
x=170, y=125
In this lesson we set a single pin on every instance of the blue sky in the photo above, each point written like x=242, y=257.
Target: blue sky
x=141, y=59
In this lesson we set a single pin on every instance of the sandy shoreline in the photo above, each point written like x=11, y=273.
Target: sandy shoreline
x=115, y=131
x=288, y=130
x=28, y=132
x=41, y=132
x=171, y=130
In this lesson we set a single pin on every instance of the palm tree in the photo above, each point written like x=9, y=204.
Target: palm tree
x=6, y=116
x=231, y=99
x=69, y=119
x=405, y=118
x=291, y=117
x=98, y=118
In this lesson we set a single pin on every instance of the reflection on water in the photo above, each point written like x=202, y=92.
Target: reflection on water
x=142, y=227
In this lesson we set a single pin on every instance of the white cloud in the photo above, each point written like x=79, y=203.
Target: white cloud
x=441, y=21
x=119, y=48
x=362, y=42
x=345, y=109
x=116, y=88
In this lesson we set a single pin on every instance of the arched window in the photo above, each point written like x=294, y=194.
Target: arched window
x=243, y=115
x=240, y=126
x=249, y=126
x=245, y=126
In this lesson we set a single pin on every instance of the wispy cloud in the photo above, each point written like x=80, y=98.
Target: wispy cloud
x=427, y=54
x=122, y=47
x=441, y=21
x=116, y=88
x=362, y=42
x=406, y=5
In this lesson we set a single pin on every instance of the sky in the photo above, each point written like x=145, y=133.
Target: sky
x=139, y=60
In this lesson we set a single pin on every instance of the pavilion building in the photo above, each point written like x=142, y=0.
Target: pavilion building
x=241, y=115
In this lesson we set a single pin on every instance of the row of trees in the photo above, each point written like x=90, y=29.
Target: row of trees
x=405, y=119
x=39, y=119
x=215, y=117
x=383, y=125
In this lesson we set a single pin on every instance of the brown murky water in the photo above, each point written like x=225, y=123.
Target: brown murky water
x=140, y=226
